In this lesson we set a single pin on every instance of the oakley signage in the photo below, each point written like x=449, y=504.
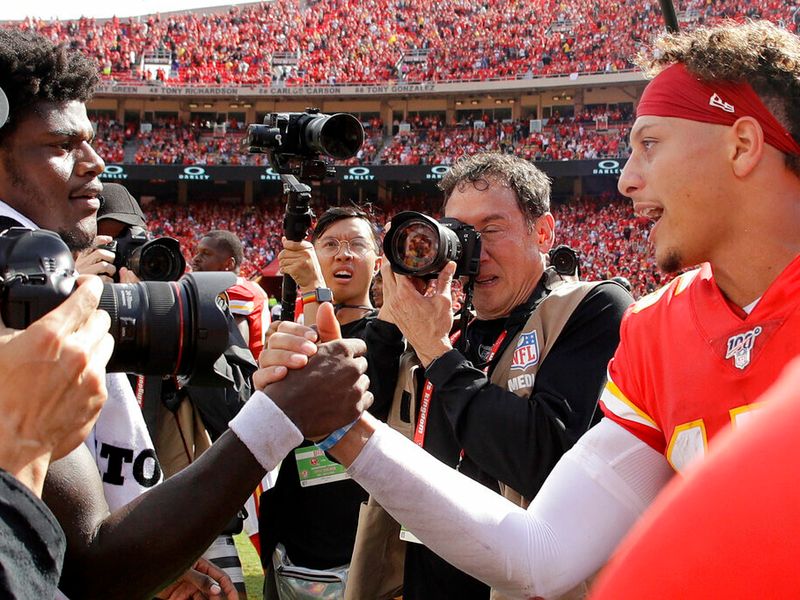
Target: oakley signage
x=114, y=172
x=358, y=174
x=437, y=172
x=607, y=167
x=194, y=174
x=269, y=174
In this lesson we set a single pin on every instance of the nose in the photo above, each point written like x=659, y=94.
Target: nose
x=630, y=181
x=89, y=161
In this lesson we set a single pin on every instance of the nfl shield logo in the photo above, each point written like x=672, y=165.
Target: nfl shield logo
x=527, y=352
x=740, y=347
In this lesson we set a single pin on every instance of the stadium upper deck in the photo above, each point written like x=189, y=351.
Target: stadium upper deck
x=286, y=43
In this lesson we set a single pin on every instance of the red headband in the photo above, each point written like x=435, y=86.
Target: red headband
x=677, y=93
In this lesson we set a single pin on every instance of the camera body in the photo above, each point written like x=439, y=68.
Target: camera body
x=419, y=246
x=159, y=328
x=159, y=259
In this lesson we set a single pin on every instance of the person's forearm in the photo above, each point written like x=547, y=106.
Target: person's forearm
x=566, y=535
x=168, y=527
x=351, y=445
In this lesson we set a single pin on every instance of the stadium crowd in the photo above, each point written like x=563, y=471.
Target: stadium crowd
x=286, y=42
x=558, y=138
x=425, y=141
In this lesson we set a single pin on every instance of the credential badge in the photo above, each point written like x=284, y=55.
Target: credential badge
x=740, y=347
x=527, y=352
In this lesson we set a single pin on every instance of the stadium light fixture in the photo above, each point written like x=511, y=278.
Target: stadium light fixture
x=193, y=105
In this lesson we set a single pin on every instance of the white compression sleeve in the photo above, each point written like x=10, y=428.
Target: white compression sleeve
x=588, y=503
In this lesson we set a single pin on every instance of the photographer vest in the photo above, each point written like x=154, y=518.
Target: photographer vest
x=376, y=569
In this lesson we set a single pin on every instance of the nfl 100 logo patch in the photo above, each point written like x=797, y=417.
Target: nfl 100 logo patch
x=527, y=352
x=740, y=347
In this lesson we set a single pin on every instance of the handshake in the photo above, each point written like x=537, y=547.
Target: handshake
x=317, y=378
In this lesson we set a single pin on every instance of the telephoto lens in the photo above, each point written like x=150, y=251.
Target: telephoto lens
x=306, y=134
x=175, y=328
x=420, y=246
x=169, y=327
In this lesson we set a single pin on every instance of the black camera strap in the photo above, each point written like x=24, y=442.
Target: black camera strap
x=7, y=222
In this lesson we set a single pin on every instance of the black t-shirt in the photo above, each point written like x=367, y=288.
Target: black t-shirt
x=507, y=438
x=317, y=524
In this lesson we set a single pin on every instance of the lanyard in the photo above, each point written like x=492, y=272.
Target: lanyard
x=427, y=392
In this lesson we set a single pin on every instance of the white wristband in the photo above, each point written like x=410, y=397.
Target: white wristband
x=266, y=430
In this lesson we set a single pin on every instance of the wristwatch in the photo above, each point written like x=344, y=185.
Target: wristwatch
x=318, y=295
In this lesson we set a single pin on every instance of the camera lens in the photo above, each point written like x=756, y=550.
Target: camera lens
x=158, y=260
x=176, y=327
x=416, y=245
x=565, y=260
x=339, y=136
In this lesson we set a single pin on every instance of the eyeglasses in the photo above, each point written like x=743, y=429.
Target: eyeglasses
x=331, y=246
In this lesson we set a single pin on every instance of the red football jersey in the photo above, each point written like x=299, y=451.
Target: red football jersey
x=688, y=364
x=249, y=300
x=729, y=529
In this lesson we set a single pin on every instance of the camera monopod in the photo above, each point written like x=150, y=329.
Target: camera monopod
x=296, y=222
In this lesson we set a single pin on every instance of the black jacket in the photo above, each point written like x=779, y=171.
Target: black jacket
x=32, y=543
x=504, y=437
x=317, y=524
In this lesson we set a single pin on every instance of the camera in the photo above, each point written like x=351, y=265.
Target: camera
x=159, y=328
x=307, y=134
x=151, y=260
x=420, y=246
x=295, y=141
x=565, y=261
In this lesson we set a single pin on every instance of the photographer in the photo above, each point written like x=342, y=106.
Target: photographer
x=118, y=212
x=505, y=409
x=339, y=261
x=49, y=178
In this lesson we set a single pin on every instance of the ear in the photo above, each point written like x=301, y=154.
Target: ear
x=377, y=268
x=230, y=264
x=746, y=138
x=544, y=229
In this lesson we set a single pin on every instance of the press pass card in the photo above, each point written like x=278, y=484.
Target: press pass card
x=407, y=536
x=314, y=468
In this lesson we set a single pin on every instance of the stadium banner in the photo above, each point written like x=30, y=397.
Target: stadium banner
x=391, y=88
x=364, y=173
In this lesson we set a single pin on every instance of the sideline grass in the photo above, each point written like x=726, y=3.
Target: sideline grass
x=251, y=566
